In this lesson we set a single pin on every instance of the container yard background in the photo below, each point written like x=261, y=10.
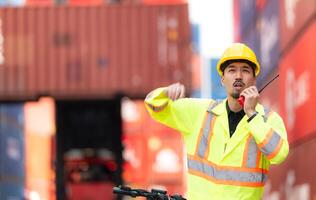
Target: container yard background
x=74, y=73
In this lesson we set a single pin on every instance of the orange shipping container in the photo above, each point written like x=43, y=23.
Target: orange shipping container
x=39, y=130
x=92, y=52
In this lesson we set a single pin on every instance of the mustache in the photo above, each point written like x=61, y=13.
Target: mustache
x=239, y=82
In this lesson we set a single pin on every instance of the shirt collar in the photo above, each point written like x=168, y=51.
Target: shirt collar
x=229, y=111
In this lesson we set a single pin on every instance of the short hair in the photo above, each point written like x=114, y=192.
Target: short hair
x=228, y=62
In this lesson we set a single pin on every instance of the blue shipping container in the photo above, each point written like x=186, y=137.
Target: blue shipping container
x=195, y=38
x=217, y=90
x=11, y=190
x=247, y=15
x=12, y=141
x=269, y=40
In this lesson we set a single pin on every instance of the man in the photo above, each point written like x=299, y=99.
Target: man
x=229, y=147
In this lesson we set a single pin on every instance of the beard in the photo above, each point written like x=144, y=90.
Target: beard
x=235, y=95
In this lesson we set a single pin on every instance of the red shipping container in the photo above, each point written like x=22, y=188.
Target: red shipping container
x=269, y=97
x=93, y=52
x=95, y=191
x=153, y=152
x=85, y=2
x=165, y=158
x=298, y=91
x=294, y=17
x=295, y=179
x=135, y=155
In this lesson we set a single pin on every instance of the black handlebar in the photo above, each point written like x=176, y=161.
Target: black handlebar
x=154, y=194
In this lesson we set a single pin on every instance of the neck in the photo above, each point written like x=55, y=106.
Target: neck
x=233, y=104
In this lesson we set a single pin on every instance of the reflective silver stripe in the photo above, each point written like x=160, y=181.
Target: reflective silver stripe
x=266, y=113
x=203, y=145
x=226, y=175
x=206, y=133
x=210, y=108
x=252, y=153
x=271, y=145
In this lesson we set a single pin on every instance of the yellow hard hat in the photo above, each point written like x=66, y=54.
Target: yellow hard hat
x=238, y=51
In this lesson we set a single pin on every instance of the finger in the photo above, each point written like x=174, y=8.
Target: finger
x=244, y=92
x=170, y=91
x=182, y=95
x=177, y=92
x=173, y=92
x=254, y=89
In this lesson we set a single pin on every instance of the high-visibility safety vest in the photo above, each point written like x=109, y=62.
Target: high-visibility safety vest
x=220, y=166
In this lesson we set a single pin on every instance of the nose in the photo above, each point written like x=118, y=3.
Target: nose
x=238, y=74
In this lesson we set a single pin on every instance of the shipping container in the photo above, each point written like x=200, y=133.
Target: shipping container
x=93, y=191
x=12, y=141
x=85, y=2
x=11, y=190
x=268, y=25
x=295, y=17
x=295, y=178
x=39, y=133
x=153, y=153
x=89, y=147
x=270, y=96
x=39, y=2
x=93, y=52
x=217, y=89
x=297, y=90
x=165, y=157
x=247, y=16
x=252, y=39
x=236, y=21
x=196, y=38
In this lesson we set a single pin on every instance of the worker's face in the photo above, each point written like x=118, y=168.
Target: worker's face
x=236, y=77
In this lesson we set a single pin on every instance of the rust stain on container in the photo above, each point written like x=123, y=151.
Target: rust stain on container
x=93, y=51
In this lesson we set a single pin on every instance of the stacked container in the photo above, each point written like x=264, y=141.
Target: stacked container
x=12, y=172
x=287, y=47
x=154, y=153
x=92, y=52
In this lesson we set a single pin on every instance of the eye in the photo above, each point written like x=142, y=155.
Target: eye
x=246, y=70
x=231, y=70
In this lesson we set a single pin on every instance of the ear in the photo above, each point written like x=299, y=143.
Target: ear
x=222, y=80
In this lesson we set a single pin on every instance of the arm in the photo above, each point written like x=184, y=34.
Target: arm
x=270, y=134
x=168, y=106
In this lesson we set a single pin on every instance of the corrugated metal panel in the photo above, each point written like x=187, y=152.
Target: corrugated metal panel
x=88, y=52
x=11, y=141
x=298, y=91
x=269, y=39
x=294, y=16
x=296, y=177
